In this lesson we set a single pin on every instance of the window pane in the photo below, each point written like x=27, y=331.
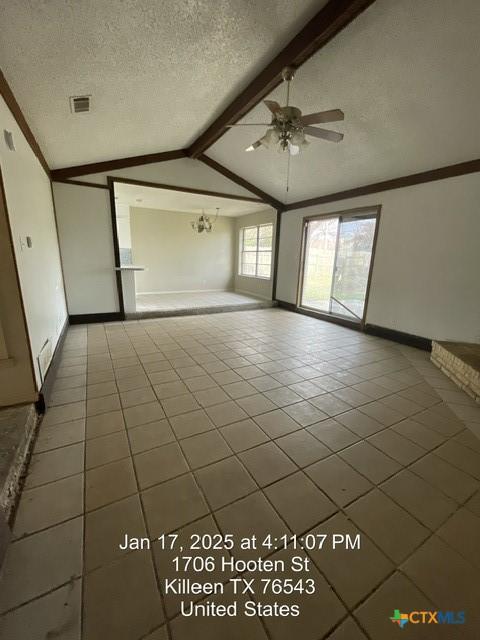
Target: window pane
x=263, y=271
x=248, y=269
x=250, y=238
x=249, y=257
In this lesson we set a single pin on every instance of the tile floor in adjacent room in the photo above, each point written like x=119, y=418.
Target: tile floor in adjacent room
x=249, y=422
x=178, y=301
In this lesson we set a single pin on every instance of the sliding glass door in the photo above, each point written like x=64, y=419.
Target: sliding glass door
x=337, y=255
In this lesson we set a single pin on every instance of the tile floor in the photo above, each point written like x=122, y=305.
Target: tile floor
x=191, y=300
x=258, y=422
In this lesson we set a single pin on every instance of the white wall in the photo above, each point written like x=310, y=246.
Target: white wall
x=256, y=286
x=86, y=242
x=427, y=263
x=30, y=210
x=176, y=257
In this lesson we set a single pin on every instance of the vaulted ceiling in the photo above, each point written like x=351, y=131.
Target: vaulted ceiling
x=404, y=72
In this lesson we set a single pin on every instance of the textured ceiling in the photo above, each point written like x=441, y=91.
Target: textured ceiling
x=159, y=72
x=406, y=74
x=166, y=200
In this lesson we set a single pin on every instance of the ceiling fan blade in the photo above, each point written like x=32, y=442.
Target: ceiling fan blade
x=272, y=105
x=250, y=124
x=334, y=115
x=325, y=134
x=254, y=145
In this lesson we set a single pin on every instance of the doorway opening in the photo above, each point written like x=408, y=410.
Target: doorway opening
x=336, y=263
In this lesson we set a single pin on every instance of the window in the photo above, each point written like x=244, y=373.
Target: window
x=256, y=251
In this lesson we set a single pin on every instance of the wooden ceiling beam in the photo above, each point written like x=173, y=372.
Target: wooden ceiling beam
x=120, y=163
x=265, y=197
x=324, y=26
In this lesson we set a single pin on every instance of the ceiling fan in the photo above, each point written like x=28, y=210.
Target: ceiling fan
x=289, y=127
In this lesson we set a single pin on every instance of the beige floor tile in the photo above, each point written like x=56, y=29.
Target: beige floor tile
x=354, y=573
x=360, y=423
x=333, y=434
x=103, y=404
x=243, y=435
x=396, y=593
x=67, y=396
x=226, y=413
x=306, y=389
x=64, y=413
x=205, y=448
x=283, y=396
x=439, y=473
x=121, y=600
x=462, y=532
x=474, y=504
x=162, y=373
x=55, y=615
x=444, y=426
x=352, y=397
x=164, y=557
x=211, y=396
x=101, y=389
x=61, y=384
x=348, y=630
x=142, y=414
x=109, y=483
x=48, y=505
x=96, y=377
x=419, y=434
x=200, y=383
x=461, y=457
x=401, y=449
x=180, y=404
x=239, y=389
x=59, y=435
x=303, y=448
x=170, y=389
x=381, y=413
x=444, y=576
x=252, y=515
x=128, y=372
x=225, y=481
x=256, y=404
x=468, y=439
x=388, y=525
x=239, y=627
x=135, y=382
x=150, y=435
x=309, y=625
x=191, y=423
x=160, y=464
x=104, y=423
x=54, y=465
x=30, y=569
x=265, y=383
x=276, y=423
x=305, y=413
x=330, y=404
x=106, y=449
x=370, y=462
x=299, y=502
x=173, y=504
x=338, y=480
x=137, y=396
x=105, y=530
x=267, y=463
x=419, y=498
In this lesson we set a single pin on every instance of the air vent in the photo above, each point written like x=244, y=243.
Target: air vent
x=80, y=104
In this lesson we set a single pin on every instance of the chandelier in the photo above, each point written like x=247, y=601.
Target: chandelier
x=204, y=223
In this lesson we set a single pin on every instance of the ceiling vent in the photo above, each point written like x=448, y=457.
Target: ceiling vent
x=80, y=104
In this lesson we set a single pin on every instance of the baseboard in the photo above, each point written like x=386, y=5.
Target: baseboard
x=46, y=389
x=250, y=293
x=399, y=336
x=344, y=322
x=162, y=293
x=88, y=318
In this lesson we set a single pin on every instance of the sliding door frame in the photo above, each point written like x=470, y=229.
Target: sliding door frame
x=332, y=317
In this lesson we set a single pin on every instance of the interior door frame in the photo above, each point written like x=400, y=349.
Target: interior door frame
x=332, y=317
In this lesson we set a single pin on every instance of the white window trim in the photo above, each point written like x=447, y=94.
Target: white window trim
x=256, y=251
